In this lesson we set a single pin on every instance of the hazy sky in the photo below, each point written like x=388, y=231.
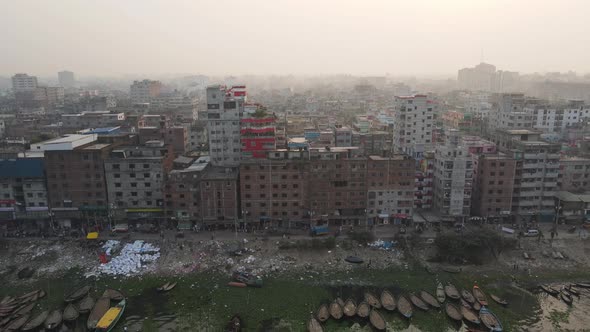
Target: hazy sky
x=370, y=37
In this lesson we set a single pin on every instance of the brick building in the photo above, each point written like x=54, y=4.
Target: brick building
x=493, y=185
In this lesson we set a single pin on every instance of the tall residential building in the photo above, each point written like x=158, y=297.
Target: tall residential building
x=536, y=171
x=257, y=129
x=24, y=82
x=224, y=112
x=135, y=178
x=75, y=173
x=493, y=185
x=145, y=91
x=413, y=125
x=453, y=178
x=23, y=193
x=484, y=77
x=66, y=79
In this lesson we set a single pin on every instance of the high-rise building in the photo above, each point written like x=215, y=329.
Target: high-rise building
x=257, y=129
x=224, y=112
x=453, y=178
x=66, y=79
x=24, y=82
x=144, y=91
x=413, y=125
x=493, y=185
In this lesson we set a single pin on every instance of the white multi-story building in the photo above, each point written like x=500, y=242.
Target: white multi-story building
x=24, y=82
x=453, y=178
x=145, y=91
x=224, y=111
x=556, y=118
x=413, y=125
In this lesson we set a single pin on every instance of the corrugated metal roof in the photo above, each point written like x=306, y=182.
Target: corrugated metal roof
x=22, y=168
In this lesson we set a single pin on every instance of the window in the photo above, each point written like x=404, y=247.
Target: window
x=134, y=184
x=134, y=193
x=131, y=166
x=146, y=175
x=146, y=165
x=147, y=184
x=117, y=175
x=117, y=184
x=119, y=194
x=116, y=166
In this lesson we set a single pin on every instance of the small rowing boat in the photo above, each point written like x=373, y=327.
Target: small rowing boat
x=480, y=296
x=387, y=300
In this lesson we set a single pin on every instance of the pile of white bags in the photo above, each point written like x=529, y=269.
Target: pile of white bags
x=131, y=259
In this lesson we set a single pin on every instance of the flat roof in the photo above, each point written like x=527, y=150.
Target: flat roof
x=98, y=146
x=395, y=157
x=521, y=131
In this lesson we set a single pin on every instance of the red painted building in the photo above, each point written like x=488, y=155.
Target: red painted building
x=257, y=136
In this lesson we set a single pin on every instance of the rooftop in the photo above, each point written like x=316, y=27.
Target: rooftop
x=97, y=146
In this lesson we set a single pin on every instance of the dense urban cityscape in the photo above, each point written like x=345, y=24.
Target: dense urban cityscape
x=294, y=166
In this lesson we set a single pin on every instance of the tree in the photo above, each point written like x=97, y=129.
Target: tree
x=472, y=246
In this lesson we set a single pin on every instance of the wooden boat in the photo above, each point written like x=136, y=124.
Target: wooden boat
x=549, y=290
x=42, y=294
x=5, y=321
x=24, y=310
x=111, y=317
x=53, y=320
x=404, y=307
x=452, y=292
x=453, y=311
x=418, y=302
x=27, y=295
x=6, y=299
x=583, y=285
x=100, y=308
x=234, y=324
x=237, y=284
x=314, y=326
x=113, y=294
x=566, y=298
x=36, y=321
x=451, y=269
x=354, y=260
x=469, y=315
x=372, y=300
x=77, y=294
x=323, y=313
x=377, y=320
x=573, y=290
x=363, y=309
x=440, y=293
x=86, y=304
x=70, y=313
x=480, y=296
x=167, y=287
x=339, y=300
x=476, y=306
x=387, y=300
x=349, y=308
x=335, y=310
x=490, y=320
x=430, y=299
x=465, y=304
x=467, y=296
x=498, y=300
x=17, y=323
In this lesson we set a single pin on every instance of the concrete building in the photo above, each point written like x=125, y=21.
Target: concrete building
x=224, y=111
x=66, y=79
x=556, y=118
x=144, y=91
x=219, y=197
x=274, y=189
x=257, y=129
x=493, y=185
x=23, y=194
x=175, y=136
x=453, y=178
x=75, y=174
x=424, y=182
x=390, y=188
x=135, y=179
x=343, y=136
x=572, y=208
x=413, y=127
x=93, y=119
x=24, y=82
x=574, y=174
x=183, y=192
x=197, y=136
x=484, y=77
x=536, y=174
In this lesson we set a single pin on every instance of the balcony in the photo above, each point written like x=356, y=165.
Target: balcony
x=531, y=165
x=526, y=175
x=529, y=184
x=551, y=174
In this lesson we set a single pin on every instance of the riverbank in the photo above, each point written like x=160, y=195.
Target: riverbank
x=297, y=279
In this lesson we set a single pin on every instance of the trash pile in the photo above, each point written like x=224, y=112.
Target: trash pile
x=132, y=258
x=110, y=246
x=383, y=245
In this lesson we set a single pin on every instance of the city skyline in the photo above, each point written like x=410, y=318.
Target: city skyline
x=301, y=38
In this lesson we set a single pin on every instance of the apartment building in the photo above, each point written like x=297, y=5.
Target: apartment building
x=257, y=132
x=219, y=196
x=144, y=91
x=183, y=191
x=424, y=182
x=493, y=185
x=453, y=178
x=413, y=125
x=224, y=111
x=23, y=82
x=574, y=174
x=23, y=194
x=135, y=178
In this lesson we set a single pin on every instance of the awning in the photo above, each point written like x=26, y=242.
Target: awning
x=400, y=215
